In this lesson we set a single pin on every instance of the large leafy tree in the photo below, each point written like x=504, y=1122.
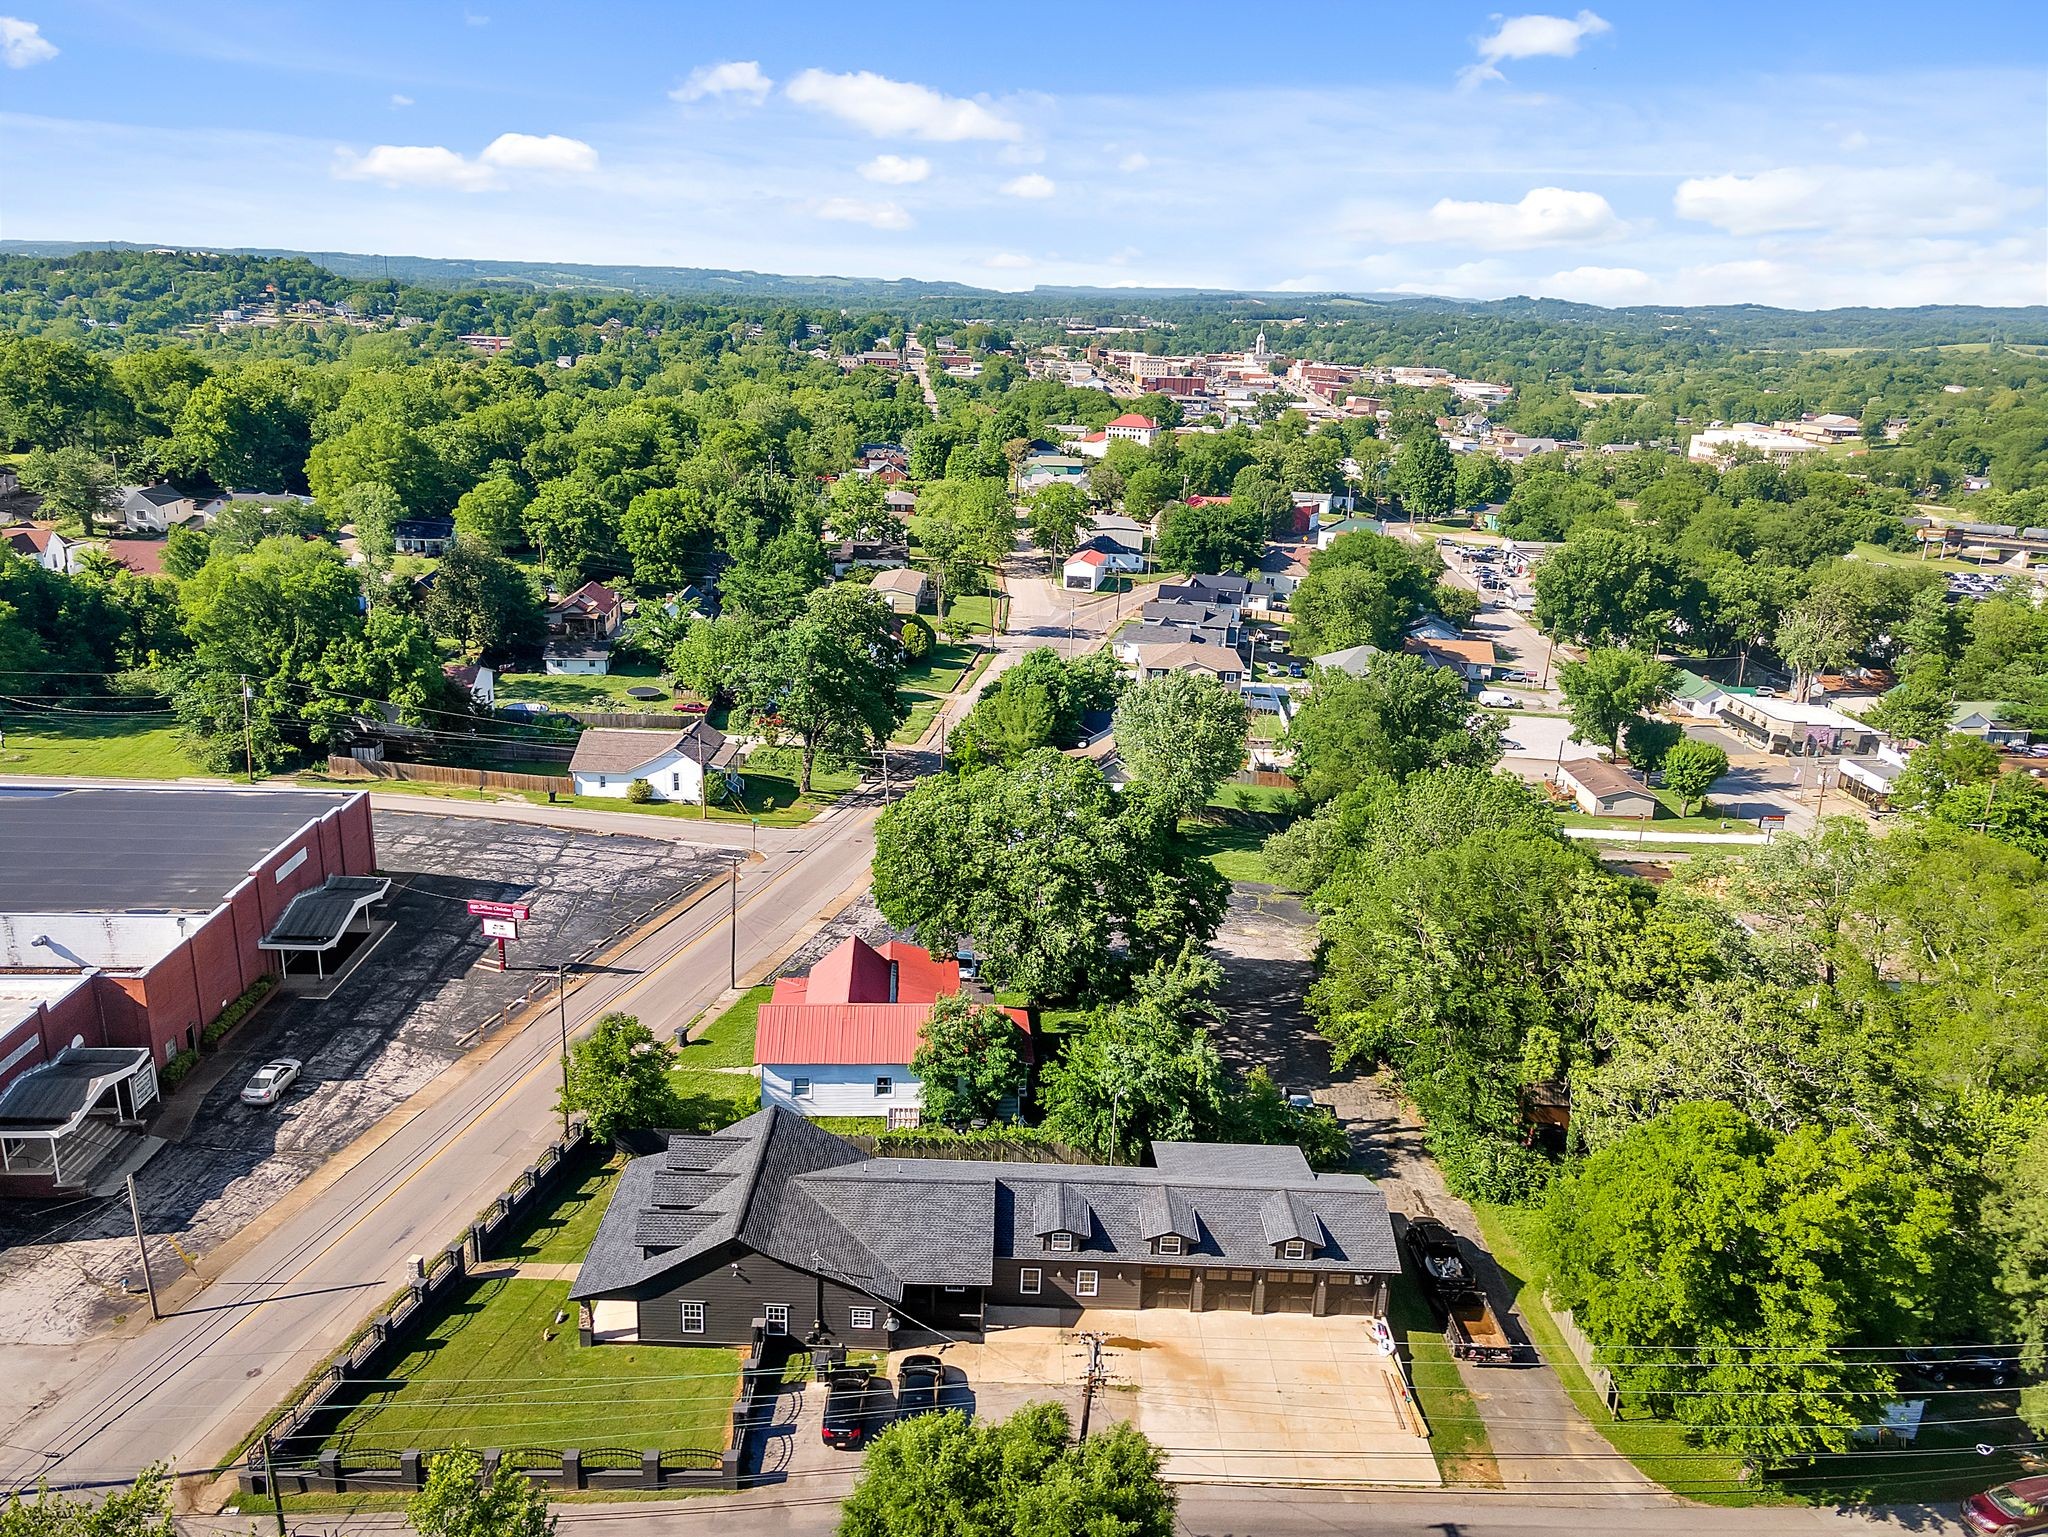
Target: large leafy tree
x=490, y=512
x=1216, y=536
x=1424, y=477
x=668, y=533
x=74, y=485
x=1731, y=1269
x=617, y=1078
x=143, y=1509
x=1690, y=769
x=942, y=1473
x=970, y=1059
x=1610, y=587
x=1613, y=687
x=1058, y=514
x=250, y=427
x=483, y=602
x=1402, y=717
x=457, y=1500
x=826, y=682
x=1183, y=735
x=1060, y=882
x=2018, y=1219
x=1364, y=589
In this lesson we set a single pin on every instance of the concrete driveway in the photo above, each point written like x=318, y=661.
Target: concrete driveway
x=1230, y=1397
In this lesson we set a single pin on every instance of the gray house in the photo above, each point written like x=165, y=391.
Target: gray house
x=778, y=1221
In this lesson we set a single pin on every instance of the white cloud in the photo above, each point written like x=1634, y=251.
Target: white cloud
x=399, y=99
x=1598, y=285
x=22, y=43
x=1007, y=261
x=1134, y=161
x=475, y=19
x=413, y=165
x=740, y=77
x=1531, y=37
x=897, y=170
x=550, y=153
x=1850, y=200
x=1030, y=185
x=853, y=210
x=435, y=165
x=1544, y=216
x=898, y=108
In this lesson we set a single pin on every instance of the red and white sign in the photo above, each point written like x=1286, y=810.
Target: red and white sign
x=500, y=928
x=513, y=910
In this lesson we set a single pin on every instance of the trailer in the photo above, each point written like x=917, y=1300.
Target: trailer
x=1471, y=1329
x=1474, y=1333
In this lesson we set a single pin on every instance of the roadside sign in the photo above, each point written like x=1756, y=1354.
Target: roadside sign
x=515, y=910
x=500, y=928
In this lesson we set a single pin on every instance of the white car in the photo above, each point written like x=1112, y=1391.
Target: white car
x=271, y=1080
x=1498, y=699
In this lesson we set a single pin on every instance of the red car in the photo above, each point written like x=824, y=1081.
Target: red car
x=2010, y=1510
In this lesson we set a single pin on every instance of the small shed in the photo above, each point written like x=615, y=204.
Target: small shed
x=1602, y=790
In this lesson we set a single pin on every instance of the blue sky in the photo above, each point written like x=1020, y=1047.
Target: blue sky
x=1886, y=153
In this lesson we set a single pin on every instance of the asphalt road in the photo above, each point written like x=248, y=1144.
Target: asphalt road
x=291, y=1288
x=1206, y=1510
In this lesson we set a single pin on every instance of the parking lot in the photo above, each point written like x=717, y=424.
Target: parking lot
x=394, y=1024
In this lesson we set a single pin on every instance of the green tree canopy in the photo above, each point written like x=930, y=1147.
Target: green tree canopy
x=1612, y=688
x=618, y=1079
x=970, y=1059
x=1364, y=589
x=1401, y=717
x=457, y=1500
x=826, y=682
x=1183, y=734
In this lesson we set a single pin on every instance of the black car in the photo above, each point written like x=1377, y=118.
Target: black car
x=1296, y=670
x=848, y=1401
x=918, y=1381
x=1940, y=1368
x=1437, y=1255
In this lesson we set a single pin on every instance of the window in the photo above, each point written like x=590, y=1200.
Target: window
x=1029, y=1282
x=1084, y=1283
x=693, y=1318
x=1170, y=1244
x=600, y=781
x=800, y=1088
x=675, y=781
x=860, y=1318
x=1294, y=1248
x=1062, y=1243
x=776, y=1316
x=884, y=1087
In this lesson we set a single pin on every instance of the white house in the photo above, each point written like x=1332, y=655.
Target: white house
x=479, y=682
x=592, y=658
x=1132, y=428
x=1096, y=562
x=153, y=509
x=608, y=761
x=45, y=546
x=838, y=1040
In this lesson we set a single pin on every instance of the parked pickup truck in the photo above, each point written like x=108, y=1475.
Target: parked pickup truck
x=1470, y=1327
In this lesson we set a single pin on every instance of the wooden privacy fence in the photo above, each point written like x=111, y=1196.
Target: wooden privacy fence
x=443, y=774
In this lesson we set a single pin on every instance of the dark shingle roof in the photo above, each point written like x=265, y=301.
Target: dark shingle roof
x=780, y=1186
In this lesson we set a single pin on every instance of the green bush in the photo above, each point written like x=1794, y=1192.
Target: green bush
x=917, y=638
x=175, y=1071
x=639, y=792
x=1482, y=1168
x=239, y=1010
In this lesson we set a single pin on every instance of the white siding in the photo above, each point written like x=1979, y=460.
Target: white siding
x=662, y=773
x=839, y=1089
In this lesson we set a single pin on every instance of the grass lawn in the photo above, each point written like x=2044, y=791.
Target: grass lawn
x=852, y=1125
x=1233, y=848
x=941, y=670
x=1667, y=819
x=454, y=1387
x=580, y=691
x=1885, y=557
x=560, y=1232
x=1457, y=1435
x=923, y=711
x=1277, y=799
x=119, y=747
x=1266, y=727
x=728, y=1041
x=975, y=612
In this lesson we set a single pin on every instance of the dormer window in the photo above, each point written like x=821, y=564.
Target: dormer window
x=1061, y=1243
x=1172, y=1243
x=1294, y=1248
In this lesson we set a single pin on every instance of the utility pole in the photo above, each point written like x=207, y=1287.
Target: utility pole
x=270, y=1478
x=141, y=1248
x=562, y=1017
x=1094, y=1380
x=248, y=740
x=733, y=948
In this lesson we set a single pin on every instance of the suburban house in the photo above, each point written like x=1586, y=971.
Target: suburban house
x=1219, y=662
x=479, y=682
x=1096, y=562
x=1695, y=697
x=778, y=1222
x=869, y=555
x=838, y=1041
x=1328, y=534
x=1210, y=619
x=581, y=627
x=1352, y=659
x=1602, y=790
x=1042, y=470
x=1282, y=568
x=423, y=536
x=903, y=588
x=673, y=763
x=1795, y=729
x=45, y=546
x=592, y=658
x=1471, y=658
x=1988, y=722
x=1224, y=591
x=1132, y=428
x=153, y=509
x=1128, y=533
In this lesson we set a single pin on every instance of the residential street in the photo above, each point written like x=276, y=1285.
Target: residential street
x=291, y=1287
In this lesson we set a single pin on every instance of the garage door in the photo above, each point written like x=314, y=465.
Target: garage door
x=1290, y=1291
x=1352, y=1296
x=1227, y=1291
x=1167, y=1286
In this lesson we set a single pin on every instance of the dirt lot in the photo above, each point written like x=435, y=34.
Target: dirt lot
x=389, y=1029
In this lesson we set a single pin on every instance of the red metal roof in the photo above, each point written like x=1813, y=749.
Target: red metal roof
x=842, y=1012
x=1133, y=419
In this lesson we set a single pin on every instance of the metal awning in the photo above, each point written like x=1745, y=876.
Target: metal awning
x=48, y=1105
x=317, y=919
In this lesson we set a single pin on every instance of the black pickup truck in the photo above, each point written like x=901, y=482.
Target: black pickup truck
x=1470, y=1327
